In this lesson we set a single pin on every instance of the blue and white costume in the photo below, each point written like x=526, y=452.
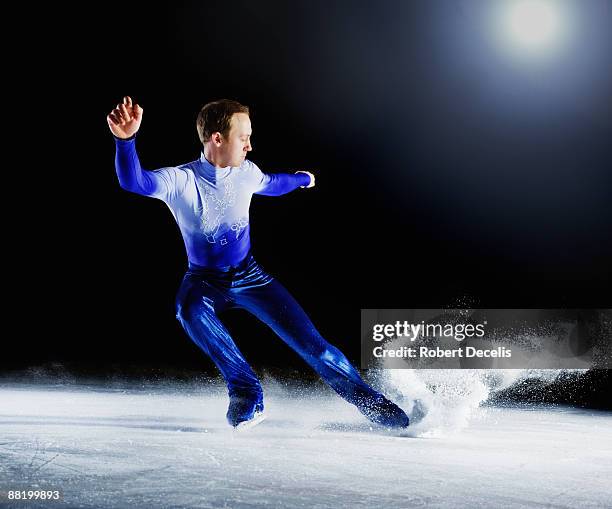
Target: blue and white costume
x=211, y=207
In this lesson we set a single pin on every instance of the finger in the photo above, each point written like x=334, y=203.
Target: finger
x=125, y=117
x=117, y=113
x=127, y=100
x=125, y=113
x=111, y=119
x=137, y=112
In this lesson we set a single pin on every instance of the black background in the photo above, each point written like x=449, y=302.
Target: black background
x=429, y=193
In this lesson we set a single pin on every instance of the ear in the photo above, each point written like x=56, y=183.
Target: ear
x=216, y=138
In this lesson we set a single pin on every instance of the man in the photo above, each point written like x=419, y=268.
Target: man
x=210, y=199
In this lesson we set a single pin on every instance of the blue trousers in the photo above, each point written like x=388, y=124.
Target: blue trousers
x=205, y=292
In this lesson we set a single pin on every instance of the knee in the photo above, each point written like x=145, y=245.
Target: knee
x=181, y=302
x=334, y=357
x=181, y=308
x=189, y=309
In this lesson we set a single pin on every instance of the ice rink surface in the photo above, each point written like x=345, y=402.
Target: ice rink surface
x=165, y=446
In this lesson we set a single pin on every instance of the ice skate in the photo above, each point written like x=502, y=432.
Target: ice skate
x=382, y=411
x=257, y=418
x=244, y=412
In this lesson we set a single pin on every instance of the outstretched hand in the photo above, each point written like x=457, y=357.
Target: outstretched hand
x=312, y=178
x=125, y=119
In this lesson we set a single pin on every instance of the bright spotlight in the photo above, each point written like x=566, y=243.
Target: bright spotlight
x=532, y=26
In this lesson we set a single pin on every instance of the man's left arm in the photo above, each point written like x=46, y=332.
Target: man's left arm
x=276, y=184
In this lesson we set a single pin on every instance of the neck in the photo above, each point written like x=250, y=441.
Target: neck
x=213, y=158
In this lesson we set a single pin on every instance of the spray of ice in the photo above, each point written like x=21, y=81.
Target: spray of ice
x=441, y=402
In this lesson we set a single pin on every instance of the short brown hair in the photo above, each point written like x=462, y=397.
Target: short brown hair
x=216, y=117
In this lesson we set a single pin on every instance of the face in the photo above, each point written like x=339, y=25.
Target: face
x=238, y=142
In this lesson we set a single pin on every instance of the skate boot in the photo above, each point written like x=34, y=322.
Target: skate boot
x=245, y=411
x=380, y=410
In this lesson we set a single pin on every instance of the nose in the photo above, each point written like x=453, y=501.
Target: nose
x=248, y=147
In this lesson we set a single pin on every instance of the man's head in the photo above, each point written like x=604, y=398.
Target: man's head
x=224, y=128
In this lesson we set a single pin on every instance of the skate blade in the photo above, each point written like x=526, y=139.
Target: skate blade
x=418, y=413
x=243, y=426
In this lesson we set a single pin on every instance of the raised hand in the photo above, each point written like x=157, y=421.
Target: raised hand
x=312, y=178
x=125, y=119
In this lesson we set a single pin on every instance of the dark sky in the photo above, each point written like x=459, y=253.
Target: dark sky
x=448, y=174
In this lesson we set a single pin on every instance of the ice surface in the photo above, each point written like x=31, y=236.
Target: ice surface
x=164, y=447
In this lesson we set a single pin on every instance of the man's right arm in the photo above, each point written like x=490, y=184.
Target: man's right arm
x=124, y=122
x=131, y=175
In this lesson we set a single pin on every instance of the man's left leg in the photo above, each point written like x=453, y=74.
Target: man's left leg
x=277, y=308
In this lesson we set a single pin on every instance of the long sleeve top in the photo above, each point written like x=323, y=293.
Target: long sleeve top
x=209, y=204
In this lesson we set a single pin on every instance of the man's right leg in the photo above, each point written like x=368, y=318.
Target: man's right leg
x=197, y=304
